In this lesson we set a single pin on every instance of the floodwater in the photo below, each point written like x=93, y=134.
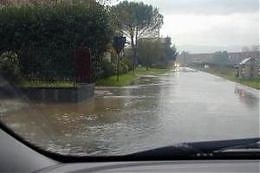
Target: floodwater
x=181, y=106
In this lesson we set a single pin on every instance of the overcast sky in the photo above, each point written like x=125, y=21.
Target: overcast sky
x=210, y=25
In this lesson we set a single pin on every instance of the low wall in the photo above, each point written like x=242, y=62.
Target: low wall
x=77, y=94
x=6, y=92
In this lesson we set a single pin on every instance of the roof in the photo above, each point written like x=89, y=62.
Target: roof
x=245, y=61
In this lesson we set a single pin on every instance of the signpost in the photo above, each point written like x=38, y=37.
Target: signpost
x=118, y=44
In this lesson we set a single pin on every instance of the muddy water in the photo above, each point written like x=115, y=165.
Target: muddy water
x=182, y=106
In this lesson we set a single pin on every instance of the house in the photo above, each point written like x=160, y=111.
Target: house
x=248, y=68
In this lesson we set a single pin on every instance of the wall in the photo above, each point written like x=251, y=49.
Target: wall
x=79, y=94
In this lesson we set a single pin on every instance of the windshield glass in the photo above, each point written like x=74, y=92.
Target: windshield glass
x=102, y=78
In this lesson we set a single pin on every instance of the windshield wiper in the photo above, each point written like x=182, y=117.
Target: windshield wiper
x=227, y=149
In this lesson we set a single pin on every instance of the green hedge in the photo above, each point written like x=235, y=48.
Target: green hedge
x=110, y=68
x=44, y=36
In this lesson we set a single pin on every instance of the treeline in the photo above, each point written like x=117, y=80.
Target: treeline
x=38, y=38
x=156, y=52
x=45, y=2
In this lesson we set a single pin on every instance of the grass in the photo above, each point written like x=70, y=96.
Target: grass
x=124, y=80
x=229, y=73
x=151, y=71
x=252, y=83
x=47, y=84
x=130, y=77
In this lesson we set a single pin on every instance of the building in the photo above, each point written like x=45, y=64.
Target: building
x=206, y=58
x=236, y=57
x=247, y=69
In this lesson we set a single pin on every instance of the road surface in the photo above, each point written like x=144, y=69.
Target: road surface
x=182, y=106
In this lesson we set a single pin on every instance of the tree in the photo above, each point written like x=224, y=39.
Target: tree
x=169, y=52
x=174, y=53
x=136, y=20
x=156, y=51
x=184, y=58
x=37, y=2
x=149, y=51
x=44, y=38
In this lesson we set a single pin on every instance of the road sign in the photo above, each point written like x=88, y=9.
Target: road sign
x=119, y=43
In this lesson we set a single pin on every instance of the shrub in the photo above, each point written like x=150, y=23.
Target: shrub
x=44, y=36
x=127, y=63
x=108, y=69
x=9, y=67
x=124, y=68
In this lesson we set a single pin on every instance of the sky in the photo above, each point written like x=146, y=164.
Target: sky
x=202, y=26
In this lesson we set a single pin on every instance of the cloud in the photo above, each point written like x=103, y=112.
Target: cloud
x=205, y=7
x=209, y=24
x=235, y=29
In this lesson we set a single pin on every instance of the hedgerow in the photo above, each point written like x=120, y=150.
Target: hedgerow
x=44, y=36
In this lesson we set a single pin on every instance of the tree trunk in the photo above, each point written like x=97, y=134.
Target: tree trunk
x=133, y=48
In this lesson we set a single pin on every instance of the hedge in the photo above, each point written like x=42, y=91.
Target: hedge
x=44, y=36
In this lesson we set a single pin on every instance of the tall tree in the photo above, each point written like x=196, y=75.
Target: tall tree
x=149, y=51
x=136, y=20
x=169, y=51
x=156, y=51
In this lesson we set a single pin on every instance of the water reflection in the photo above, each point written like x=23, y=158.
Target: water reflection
x=246, y=97
x=155, y=111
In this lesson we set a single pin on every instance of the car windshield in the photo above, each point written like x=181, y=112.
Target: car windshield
x=114, y=77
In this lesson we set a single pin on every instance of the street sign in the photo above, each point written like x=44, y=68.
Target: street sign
x=119, y=43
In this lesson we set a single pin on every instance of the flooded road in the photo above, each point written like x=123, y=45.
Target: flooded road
x=181, y=106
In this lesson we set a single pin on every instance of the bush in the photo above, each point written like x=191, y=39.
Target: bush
x=108, y=69
x=44, y=36
x=128, y=63
x=9, y=67
x=124, y=66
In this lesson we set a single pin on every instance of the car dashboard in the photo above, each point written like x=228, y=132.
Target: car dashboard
x=230, y=166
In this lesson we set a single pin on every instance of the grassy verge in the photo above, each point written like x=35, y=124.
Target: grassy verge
x=229, y=73
x=252, y=83
x=47, y=84
x=130, y=77
x=124, y=80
